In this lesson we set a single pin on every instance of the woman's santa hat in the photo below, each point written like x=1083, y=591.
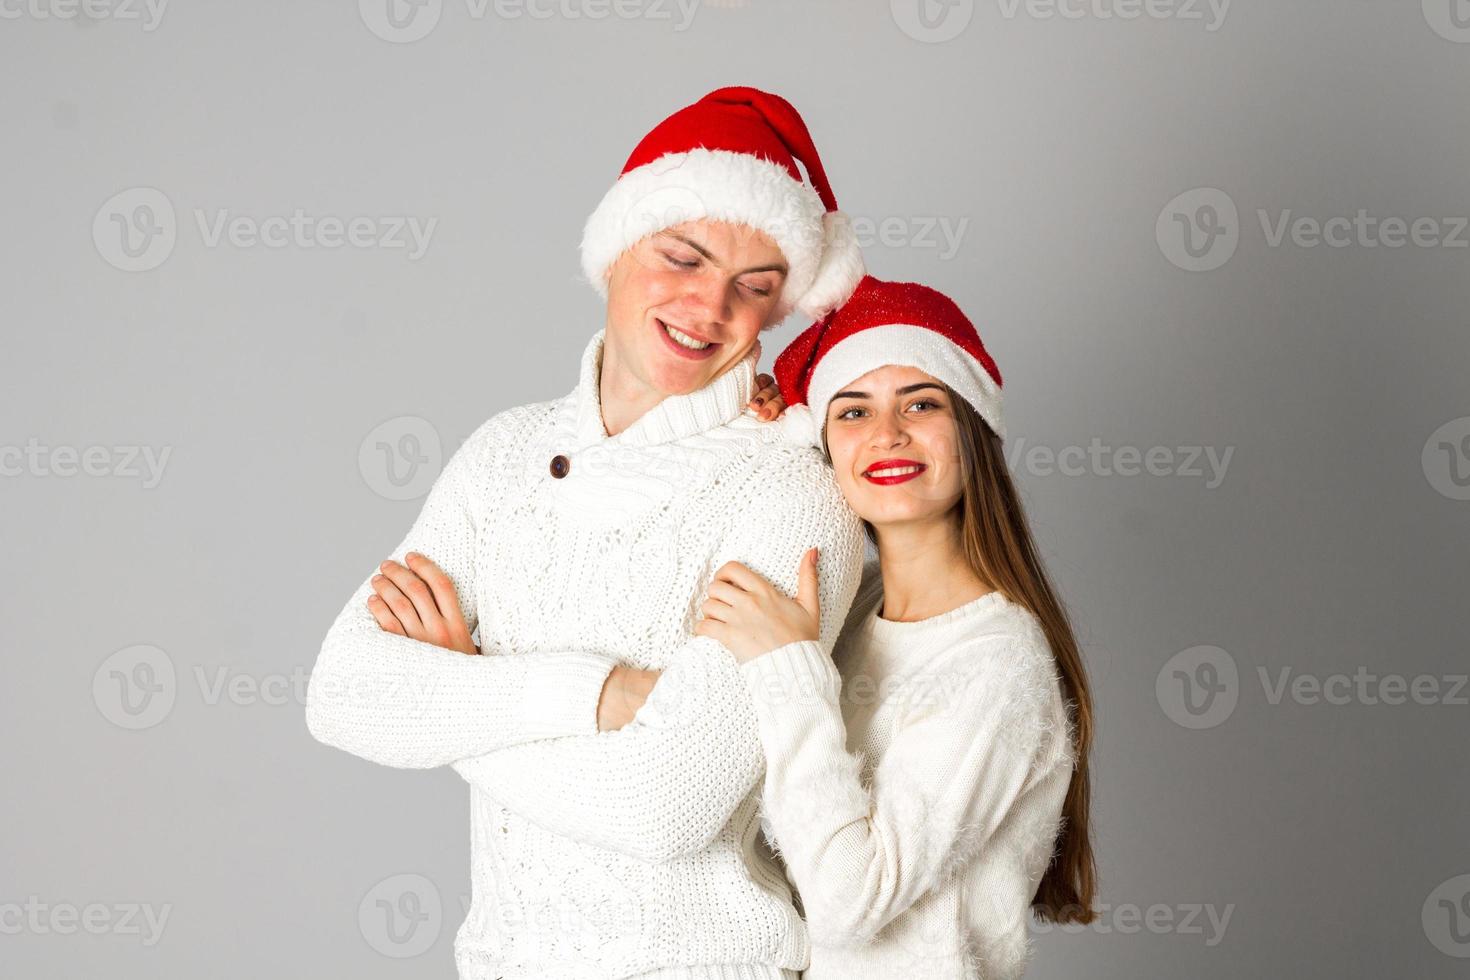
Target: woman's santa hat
x=732, y=156
x=885, y=323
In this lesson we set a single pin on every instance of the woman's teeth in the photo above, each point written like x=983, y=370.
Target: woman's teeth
x=683, y=339
x=895, y=471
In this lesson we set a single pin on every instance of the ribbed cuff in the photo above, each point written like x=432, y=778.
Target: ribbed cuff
x=561, y=693
x=799, y=673
x=731, y=971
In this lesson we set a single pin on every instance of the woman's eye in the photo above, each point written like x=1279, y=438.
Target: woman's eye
x=847, y=413
x=925, y=401
x=757, y=290
x=681, y=263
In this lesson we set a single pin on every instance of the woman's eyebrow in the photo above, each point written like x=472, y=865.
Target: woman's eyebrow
x=906, y=389
x=776, y=267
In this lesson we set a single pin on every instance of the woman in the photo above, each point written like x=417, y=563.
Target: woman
x=962, y=693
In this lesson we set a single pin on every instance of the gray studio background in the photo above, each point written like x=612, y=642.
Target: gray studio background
x=1246, y=454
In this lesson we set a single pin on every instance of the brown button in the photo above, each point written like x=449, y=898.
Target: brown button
x=560, y=466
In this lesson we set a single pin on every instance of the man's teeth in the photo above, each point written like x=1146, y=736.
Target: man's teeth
x=895, y=471
x=683, y=339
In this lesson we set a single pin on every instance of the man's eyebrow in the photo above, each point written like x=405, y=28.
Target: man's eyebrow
x=692, y=244
x=906, y=389
x=777, y=267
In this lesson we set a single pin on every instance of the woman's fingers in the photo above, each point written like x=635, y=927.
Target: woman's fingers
x=767, y=399
x=741, y=577
x=717, y=610
x=712, y=628
x=726, y=593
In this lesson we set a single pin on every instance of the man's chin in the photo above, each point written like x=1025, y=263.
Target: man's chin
x=683, y=386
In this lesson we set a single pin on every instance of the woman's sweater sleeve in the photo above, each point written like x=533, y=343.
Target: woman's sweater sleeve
x=412, y=705
x=666, y=783
x=861, y=856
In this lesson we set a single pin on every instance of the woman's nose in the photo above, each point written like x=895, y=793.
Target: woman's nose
x=888, y=432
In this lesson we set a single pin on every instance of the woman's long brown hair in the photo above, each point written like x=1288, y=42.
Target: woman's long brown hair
x=997, y=543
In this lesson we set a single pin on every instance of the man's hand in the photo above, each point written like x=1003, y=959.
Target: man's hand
x=419, y=601
x=623, y=694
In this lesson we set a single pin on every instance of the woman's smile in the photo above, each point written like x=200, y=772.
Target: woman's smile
x=887, y=472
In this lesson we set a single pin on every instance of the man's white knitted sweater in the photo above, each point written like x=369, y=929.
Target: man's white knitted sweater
x=601, y=854
x=914, y=786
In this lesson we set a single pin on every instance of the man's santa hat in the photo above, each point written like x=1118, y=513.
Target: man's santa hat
x=885, y=323
x=732, y=156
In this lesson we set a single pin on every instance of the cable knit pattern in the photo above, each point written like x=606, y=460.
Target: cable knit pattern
x=601, y=855
x=914, y=786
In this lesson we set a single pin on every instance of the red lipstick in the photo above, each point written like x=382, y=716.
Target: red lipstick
x=913, y=469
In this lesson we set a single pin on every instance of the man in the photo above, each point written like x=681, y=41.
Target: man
x=579, y=536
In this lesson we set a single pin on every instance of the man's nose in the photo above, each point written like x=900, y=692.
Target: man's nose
x=709, y=298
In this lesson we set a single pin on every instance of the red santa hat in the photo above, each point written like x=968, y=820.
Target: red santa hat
x=885, y=323
x=732, y=156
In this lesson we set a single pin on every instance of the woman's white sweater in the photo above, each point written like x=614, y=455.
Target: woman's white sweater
x=594, y=854
x=914, y=786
